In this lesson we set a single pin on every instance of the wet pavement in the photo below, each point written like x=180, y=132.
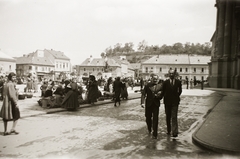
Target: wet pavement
x=105, y=131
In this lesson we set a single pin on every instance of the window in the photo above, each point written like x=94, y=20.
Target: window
x=56, y=65
x=10, y=67
x=186, y=69
x=202, y=69
x=67, y=65
x=194, y=69
x=84, y=69
x=63, y=65
x=60, y=65
x=160, y=69
x=30, y=67
x=146, y=69
x=180, y=70
x=93, y=69
x=36, y=68
x=97, y=69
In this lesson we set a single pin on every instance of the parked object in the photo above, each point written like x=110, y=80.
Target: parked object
x=29, y=95
x=21, y=96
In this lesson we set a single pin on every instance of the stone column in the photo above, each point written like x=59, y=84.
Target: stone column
x=226, y=62
x=221, y=5
x=237, y=31
x=228, y=28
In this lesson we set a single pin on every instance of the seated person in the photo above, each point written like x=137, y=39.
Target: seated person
x=48, y=99
x=58, y=94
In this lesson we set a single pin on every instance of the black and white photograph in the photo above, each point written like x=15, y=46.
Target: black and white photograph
x=119, y=79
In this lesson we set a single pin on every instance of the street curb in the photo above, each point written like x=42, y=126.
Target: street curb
x=57, y=110
x=205, y=145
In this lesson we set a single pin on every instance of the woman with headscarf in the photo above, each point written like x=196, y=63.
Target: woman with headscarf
x=10, y=110
x=92, y=90
x=70, y=101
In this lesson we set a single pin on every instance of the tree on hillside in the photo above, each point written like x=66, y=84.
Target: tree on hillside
x=142, y=45
x=177, y=48
x=117, y=48
x=102, y=54
x=128, y=47
x=108, y=51
x=143, y=48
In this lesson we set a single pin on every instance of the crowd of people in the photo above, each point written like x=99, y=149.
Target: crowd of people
x=68, y=94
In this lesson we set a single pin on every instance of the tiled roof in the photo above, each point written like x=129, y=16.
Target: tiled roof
x=119, y=60
x=196, y=59
x=5, y=57
x=34, y=60
x=99, y=62
x=178, y=59
x=57, y=54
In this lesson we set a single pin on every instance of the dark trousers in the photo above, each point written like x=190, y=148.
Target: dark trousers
x=151, y=114
x=171, y=118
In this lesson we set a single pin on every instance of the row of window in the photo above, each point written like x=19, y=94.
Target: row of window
x=61, y=65
x=38, y=68
x=180, y=69
x=84, y=69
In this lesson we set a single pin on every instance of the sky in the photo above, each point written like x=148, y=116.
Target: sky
x=84, y=28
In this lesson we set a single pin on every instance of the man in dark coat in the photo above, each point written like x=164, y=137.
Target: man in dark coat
x=117, y=87
x=171, y=91
x=151, y=98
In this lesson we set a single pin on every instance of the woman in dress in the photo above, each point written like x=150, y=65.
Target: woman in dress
x=10, y=110
x=70, y=101
x=92, y=89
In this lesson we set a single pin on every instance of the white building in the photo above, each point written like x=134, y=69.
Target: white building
x=46, y=63
x=191, y=66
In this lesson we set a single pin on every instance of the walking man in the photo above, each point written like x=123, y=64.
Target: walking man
x=151, y=97
x=171, y=91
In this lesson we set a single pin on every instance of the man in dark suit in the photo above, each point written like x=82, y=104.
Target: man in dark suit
x=171, y=91
x=151, y=98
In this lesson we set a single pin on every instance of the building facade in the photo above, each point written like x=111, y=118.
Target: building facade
x=187, y=66
x=225, y=58
x=43, y=63
x=7, y=64
x=105, y=67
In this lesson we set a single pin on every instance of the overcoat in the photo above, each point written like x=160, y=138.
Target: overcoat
x=10, y=98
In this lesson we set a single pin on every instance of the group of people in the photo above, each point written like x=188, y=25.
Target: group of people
x=117, y=89
x=170, y=91
x=32, y=85
x=68, y=93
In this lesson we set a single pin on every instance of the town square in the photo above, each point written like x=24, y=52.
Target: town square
x=120, y=79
